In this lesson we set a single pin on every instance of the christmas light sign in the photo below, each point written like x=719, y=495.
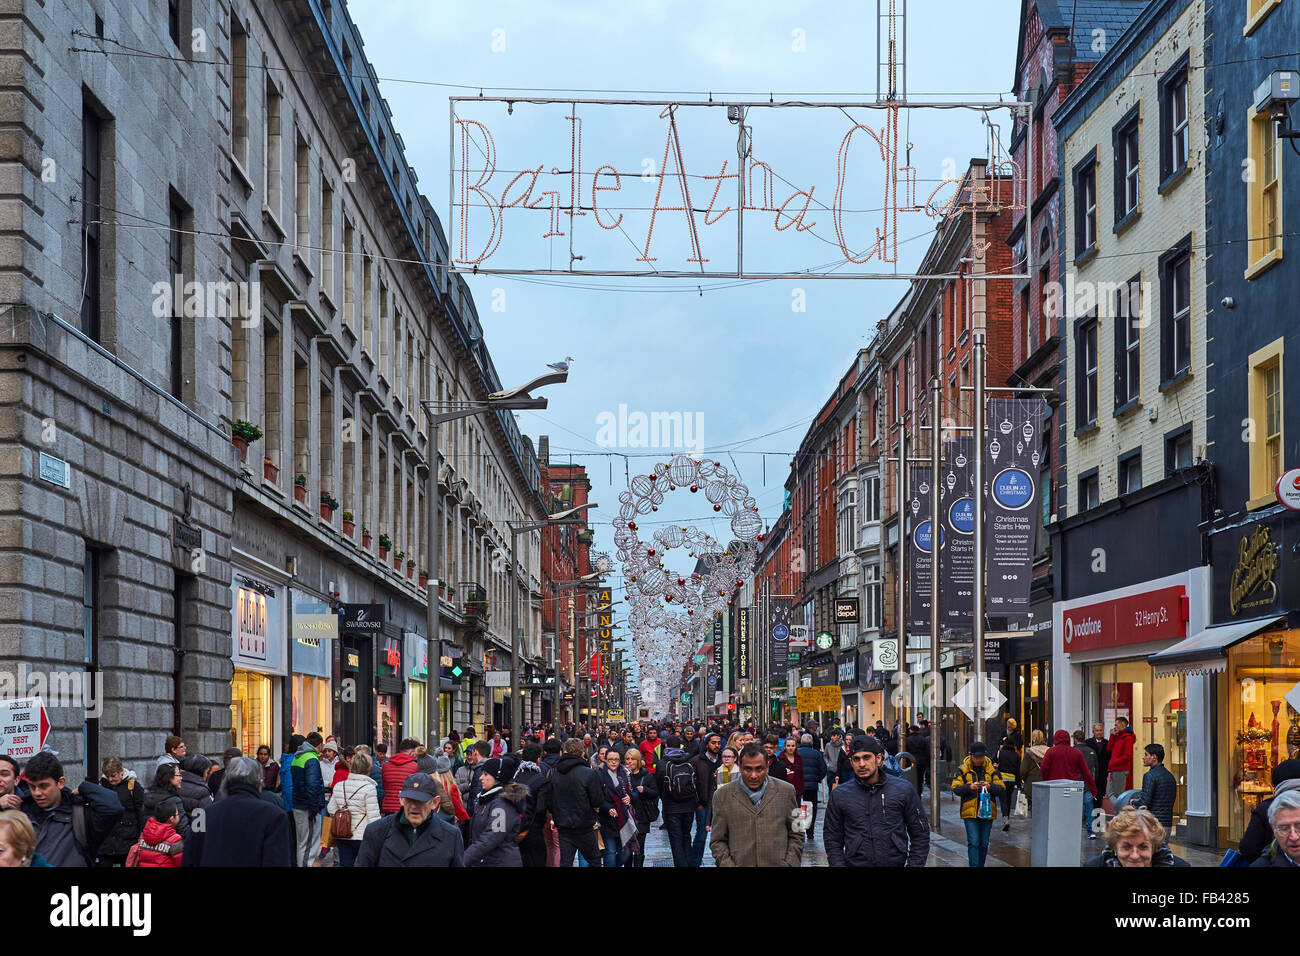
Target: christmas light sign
x=710, y=189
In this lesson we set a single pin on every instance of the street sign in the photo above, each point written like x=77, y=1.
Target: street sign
x=1287, y=489
x=884, y=654
x=846, y=610
x=799, y=636
x=826, y=697
x=496, y=679
x=979, y=695
x=825, y=641
x=24, y=725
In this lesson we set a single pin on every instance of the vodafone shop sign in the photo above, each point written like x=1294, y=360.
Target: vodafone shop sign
x=1157, y=615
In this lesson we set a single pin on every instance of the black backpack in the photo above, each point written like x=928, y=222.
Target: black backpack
x=680, y=780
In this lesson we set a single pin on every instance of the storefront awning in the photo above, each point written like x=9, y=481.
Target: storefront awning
x=1205, y=652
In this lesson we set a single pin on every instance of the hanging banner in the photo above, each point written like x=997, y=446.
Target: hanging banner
x=714, y=676
x=1013, y=449
x=918, y=550
x=742, y=644
x=605, y=617
x=957, y=557
x=778, y=640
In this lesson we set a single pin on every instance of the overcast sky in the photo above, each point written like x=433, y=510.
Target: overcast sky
x=737, y=357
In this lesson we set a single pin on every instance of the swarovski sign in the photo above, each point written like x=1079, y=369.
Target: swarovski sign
x=705, y=189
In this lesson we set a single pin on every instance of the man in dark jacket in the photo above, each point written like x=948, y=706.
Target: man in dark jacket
x=413, y=836
x=531, y=775
x=814, y=772
x=918, y=745
x=130, y=793
x=1097, y=744
x=683, y=792
x=240, y=829
x=574, y=797
x=1159, y=788
x=1286, y=776
x=69, y=826
x=707, y=762
x=479, y=751
x=875, y=819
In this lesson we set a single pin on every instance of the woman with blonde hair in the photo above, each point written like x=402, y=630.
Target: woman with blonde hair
x=1031, y=767
x=1135, y=838
x=645, y=802
x=18, y=840
x=357, y=794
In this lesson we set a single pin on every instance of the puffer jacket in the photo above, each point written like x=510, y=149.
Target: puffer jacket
x=880, y=824
x=308, y=786
x=1159, y=793
x=963, y=785
x=394, y=773
x=496, y=823
x=573, y=795
x=1121, y=755
x=130, y=793
x=160, y=845
x=360, y=796
x=814, y=770
x=154, y=796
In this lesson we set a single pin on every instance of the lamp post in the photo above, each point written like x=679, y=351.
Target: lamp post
x=561, y=517
x=439, y=412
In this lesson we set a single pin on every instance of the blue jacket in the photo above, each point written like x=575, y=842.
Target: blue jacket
x=814, y=769
x=286, y=781
x=308, y=788
x=376, y=774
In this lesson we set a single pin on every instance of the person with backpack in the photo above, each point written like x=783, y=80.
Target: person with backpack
x=683, y=791
x=357, y=797
x=70, y=825
x=873, y=817
x=308, y=800
x=130, y=793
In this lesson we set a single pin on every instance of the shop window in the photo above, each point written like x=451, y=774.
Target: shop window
x=251, y=708
x=1263, y=729
x=312, y=705
x=1264, y=396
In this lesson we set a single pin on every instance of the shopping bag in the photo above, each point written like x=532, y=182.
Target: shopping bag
x=1022, y=804
x=327, y=832
x=1233, y=858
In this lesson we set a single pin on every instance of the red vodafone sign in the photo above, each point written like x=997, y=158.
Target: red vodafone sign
x=1157, y=615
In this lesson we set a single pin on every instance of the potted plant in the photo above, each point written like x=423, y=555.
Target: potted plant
x=410, y=568
x=300, y=489
x=424, y=578
x=269, y=471
x=243, y=433
x=385, y=543
x=451, y=592
x=442, y=588
x=348, y=525
x=398, y=557
x=328, y=505
x=365, y=537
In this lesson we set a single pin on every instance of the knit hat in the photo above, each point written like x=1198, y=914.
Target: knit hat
x=442, y=764
x=493, y=766
x=865, y=743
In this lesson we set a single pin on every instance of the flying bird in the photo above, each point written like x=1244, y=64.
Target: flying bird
x=561, y=366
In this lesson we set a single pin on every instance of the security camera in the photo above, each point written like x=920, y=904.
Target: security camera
x=1227, y=302
x=1276, y=94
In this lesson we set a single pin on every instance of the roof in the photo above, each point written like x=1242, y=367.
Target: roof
x=1082, y=18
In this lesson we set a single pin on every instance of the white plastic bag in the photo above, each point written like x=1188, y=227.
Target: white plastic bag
x=1022, y=805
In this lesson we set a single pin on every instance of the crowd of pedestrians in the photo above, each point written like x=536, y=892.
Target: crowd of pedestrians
x=592, y=796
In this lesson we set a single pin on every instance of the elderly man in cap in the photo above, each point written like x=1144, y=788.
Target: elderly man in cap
x=874, y=819
x=413, y=836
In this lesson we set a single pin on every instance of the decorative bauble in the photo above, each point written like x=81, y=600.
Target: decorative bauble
x=717, y=507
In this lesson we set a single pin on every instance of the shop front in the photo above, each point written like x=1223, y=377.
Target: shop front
x=360, y=632
x=1101, y=671
x=257, y=653
x=313, y=625
x=872, y=688
x=417, y=684
x=1249, y=662
x=847, y=677
x=390, y=688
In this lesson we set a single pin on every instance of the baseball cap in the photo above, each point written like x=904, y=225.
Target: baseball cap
x=869, y=744
x=978, y=748
x=419, y=786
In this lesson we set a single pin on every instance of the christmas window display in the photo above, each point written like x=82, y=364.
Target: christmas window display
x=1263, y=727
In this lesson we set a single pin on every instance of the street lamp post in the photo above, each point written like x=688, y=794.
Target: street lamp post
x=439, y=412
x=562, y=517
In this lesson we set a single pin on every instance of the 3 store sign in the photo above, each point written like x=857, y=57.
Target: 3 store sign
x=1154, y=616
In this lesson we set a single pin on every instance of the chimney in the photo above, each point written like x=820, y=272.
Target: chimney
x=544, y=449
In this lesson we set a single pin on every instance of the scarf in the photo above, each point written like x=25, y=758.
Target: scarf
x=623, y=812
x=528, y=765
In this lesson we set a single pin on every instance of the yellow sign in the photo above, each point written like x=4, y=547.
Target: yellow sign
x=818, y=698
x=616, y=715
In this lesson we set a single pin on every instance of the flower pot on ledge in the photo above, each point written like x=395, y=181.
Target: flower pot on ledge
x=242, y=445
x=365, y=541
x=410, y=573
x=269, y=471
x=424, y=581
x=327, y=513
x=397, y=564
x=300, y=494
x=383, y=553
x=349, y=527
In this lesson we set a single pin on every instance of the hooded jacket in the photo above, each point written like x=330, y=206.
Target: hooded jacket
x=394, y=773
x=880, y=824
x=55, y=837
x=160, y=845
x=963, y=785
x=1121, y=755
x=308, y=786
x=495, y=825
x=649, y=752
x=573, y=795
x=1064, y=762
x=814, y=770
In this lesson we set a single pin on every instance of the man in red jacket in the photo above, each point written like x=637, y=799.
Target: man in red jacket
x=1063, y=762
x=1121, y=758
x=394, y=773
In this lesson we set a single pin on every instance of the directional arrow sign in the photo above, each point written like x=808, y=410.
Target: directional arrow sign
x=980, y=694
x=1293, y=698
x=24, y=726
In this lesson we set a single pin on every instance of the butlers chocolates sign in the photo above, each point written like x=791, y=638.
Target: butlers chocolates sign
x=1255, y=572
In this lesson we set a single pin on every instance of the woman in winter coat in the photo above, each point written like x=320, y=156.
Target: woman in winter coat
x=728, y=770
x=1031, y=767
x=195, y=795
x=497, y=819
x=130, y=793
x=452, y=753
x=358, y=794
x=167, y=779
x=1135, y=838
x=618, y=792
x=788, y=766
x=456, y=813
x=645, y=802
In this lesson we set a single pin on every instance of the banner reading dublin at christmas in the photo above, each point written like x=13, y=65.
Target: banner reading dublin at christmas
x=957, y=557
x=778, y=640
x=1013, y=451
x=918, y=550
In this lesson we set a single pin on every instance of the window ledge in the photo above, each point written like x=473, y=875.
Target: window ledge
x=1130, y=217
x=1268, y=7
x=1177, y=380
x=1261, y=501
x=1173, y=179
x=274, y=220
x=1131, y=405
x=327, y=300
x=1086, y=254
x=1087, y=429
x=1263, y=264
x=241, y=173
x=300, y=258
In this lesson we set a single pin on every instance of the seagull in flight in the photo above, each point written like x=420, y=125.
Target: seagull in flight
x=561, y=366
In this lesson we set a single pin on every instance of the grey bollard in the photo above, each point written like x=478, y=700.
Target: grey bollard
x=1057, y=823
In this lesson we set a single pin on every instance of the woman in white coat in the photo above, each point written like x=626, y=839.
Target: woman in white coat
x=358, y=794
